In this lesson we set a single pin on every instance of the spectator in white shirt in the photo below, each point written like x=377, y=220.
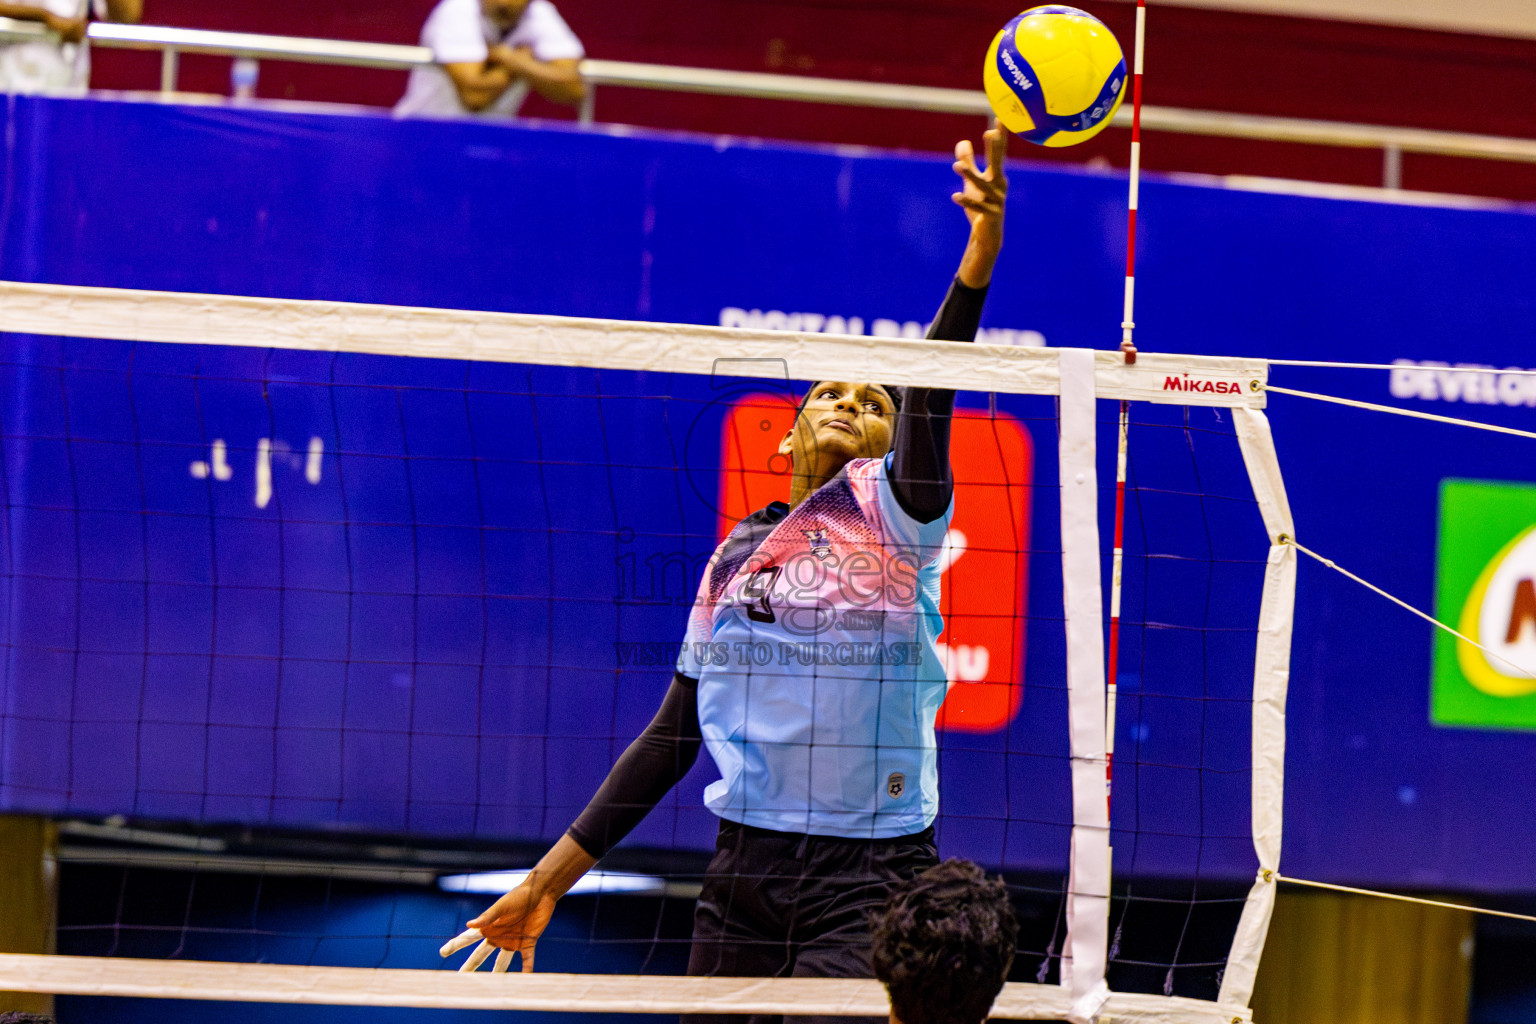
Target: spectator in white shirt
x=489, y=53
x=59, y=66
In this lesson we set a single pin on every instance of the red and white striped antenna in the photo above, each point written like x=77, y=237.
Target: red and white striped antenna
x=1128, y=325
x=1128, y=347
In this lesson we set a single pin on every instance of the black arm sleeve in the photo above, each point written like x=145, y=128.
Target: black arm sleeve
x=644, y=773
x=920, y=474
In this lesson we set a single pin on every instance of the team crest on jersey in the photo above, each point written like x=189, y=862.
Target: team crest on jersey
x=821, y=544
x=896, y=785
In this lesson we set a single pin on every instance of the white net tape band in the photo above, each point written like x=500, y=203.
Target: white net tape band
x=1088, y=893
x=356, y=986
x=1271, y=683
x=186, y=318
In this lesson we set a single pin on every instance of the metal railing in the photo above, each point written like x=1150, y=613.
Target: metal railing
x=1392, y=142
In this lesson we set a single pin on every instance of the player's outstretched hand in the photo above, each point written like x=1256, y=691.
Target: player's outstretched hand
x=983, y=195
x=511, y=925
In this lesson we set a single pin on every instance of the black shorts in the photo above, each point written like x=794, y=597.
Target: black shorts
x=781, y=905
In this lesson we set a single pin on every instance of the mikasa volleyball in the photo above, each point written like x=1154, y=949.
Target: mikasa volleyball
x=1055, y=75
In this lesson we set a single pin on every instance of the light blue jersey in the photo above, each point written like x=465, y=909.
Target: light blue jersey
x=814, y=642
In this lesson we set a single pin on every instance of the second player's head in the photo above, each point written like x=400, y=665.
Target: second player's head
x=837, y=422
x=505, y=14
x=943, y=944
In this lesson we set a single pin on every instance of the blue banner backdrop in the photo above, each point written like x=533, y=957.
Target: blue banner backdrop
x=416, y=635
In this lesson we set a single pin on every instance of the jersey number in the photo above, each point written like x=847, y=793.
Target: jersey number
x=758, y=590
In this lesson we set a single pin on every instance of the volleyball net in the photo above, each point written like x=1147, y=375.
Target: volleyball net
x=319, y=614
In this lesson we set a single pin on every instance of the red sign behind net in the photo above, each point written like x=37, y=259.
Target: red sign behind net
x=985, y=562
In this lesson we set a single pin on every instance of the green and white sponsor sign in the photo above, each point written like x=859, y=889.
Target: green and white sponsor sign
x=1485, y=587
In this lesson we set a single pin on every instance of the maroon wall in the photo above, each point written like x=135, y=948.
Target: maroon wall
x=1196, y=58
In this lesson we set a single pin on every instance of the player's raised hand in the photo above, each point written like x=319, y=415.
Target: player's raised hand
x=983, y=195
x=511, y=925
x=983, y=192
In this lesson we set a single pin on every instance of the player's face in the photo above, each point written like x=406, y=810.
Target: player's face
x=505, y=13
x=839, y=422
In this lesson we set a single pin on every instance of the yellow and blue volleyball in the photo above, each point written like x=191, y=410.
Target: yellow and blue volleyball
x=1055, y=76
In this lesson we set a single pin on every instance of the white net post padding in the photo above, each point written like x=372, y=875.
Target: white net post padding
x=1271, y=677
x=1078, y=377
x=1082, y=971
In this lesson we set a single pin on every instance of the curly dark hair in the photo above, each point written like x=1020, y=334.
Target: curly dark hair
x=18, y=1017
x=943, y=944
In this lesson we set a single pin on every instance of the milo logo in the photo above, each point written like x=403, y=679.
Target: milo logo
x=1486, y=589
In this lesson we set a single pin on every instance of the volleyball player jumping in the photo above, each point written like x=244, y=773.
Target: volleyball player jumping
x=827, y=754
